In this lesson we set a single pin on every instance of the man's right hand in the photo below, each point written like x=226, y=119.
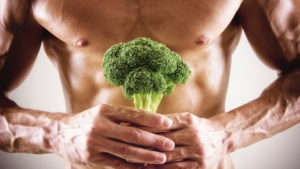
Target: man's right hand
x=87, y=137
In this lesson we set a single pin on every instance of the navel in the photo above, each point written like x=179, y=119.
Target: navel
x=82, y=42
x=202, y=40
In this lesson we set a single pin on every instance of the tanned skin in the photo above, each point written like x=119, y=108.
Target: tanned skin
x=99, y=129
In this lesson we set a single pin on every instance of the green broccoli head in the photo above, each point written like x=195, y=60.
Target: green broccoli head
x=144, y=67
x=144, y=81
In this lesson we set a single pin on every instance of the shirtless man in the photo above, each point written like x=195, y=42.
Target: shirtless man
x=75, y=35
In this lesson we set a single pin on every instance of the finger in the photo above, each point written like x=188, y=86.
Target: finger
x=130, y=153
x=154, y=130
x=182, y=164
x=142, y=138
x=183, y=137
x=182, y=120
x=179, y=121
x=182, y=153
x=109, y=161
x=136, y=116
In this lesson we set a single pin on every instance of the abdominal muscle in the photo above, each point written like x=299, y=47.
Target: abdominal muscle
x=203, y=94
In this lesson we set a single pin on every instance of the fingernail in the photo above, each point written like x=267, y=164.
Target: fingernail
x=160, y=159
x=167, y=123
x=169, y=146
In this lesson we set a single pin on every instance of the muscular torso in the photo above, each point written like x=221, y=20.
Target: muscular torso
x=204, y=33
x=75, y=35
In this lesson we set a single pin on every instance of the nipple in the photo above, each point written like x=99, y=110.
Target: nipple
x=201, y=40
x=82, y=42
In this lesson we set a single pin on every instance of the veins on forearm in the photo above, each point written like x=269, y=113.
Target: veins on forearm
x=277, y=109
x=19, y=134
x=24, y=130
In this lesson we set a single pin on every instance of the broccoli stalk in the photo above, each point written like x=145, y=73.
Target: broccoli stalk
x=148, y=101
x=145, y=69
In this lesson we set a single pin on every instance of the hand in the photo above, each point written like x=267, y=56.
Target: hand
x=199, y=143
x=97, y=137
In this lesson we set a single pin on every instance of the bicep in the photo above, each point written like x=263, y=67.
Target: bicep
x=273, y=30
x=20, y=39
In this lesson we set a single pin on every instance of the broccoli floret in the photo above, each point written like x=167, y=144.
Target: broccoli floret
x=145, y=69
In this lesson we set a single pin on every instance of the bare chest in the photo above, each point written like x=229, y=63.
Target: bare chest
x=180, y=24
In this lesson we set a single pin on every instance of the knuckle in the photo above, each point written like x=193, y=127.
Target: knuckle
x=135, y=114
x=102, y=108
x=125, y=151
x=195, y=137
x=134, y=136
x=158, y=120
x=189, y=118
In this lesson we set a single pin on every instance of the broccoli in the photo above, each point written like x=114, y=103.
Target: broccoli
x=145, y=69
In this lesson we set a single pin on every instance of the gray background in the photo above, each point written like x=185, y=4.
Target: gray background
x=42, y=90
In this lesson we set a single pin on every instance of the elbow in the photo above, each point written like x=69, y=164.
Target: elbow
x=292, y=66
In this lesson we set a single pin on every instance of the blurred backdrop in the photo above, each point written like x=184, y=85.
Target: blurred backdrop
x=42, y=90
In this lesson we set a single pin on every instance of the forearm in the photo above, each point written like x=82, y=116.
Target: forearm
x=277, y=109
x=24, y=130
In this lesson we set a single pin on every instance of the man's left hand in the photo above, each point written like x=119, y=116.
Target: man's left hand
x=199, y=142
